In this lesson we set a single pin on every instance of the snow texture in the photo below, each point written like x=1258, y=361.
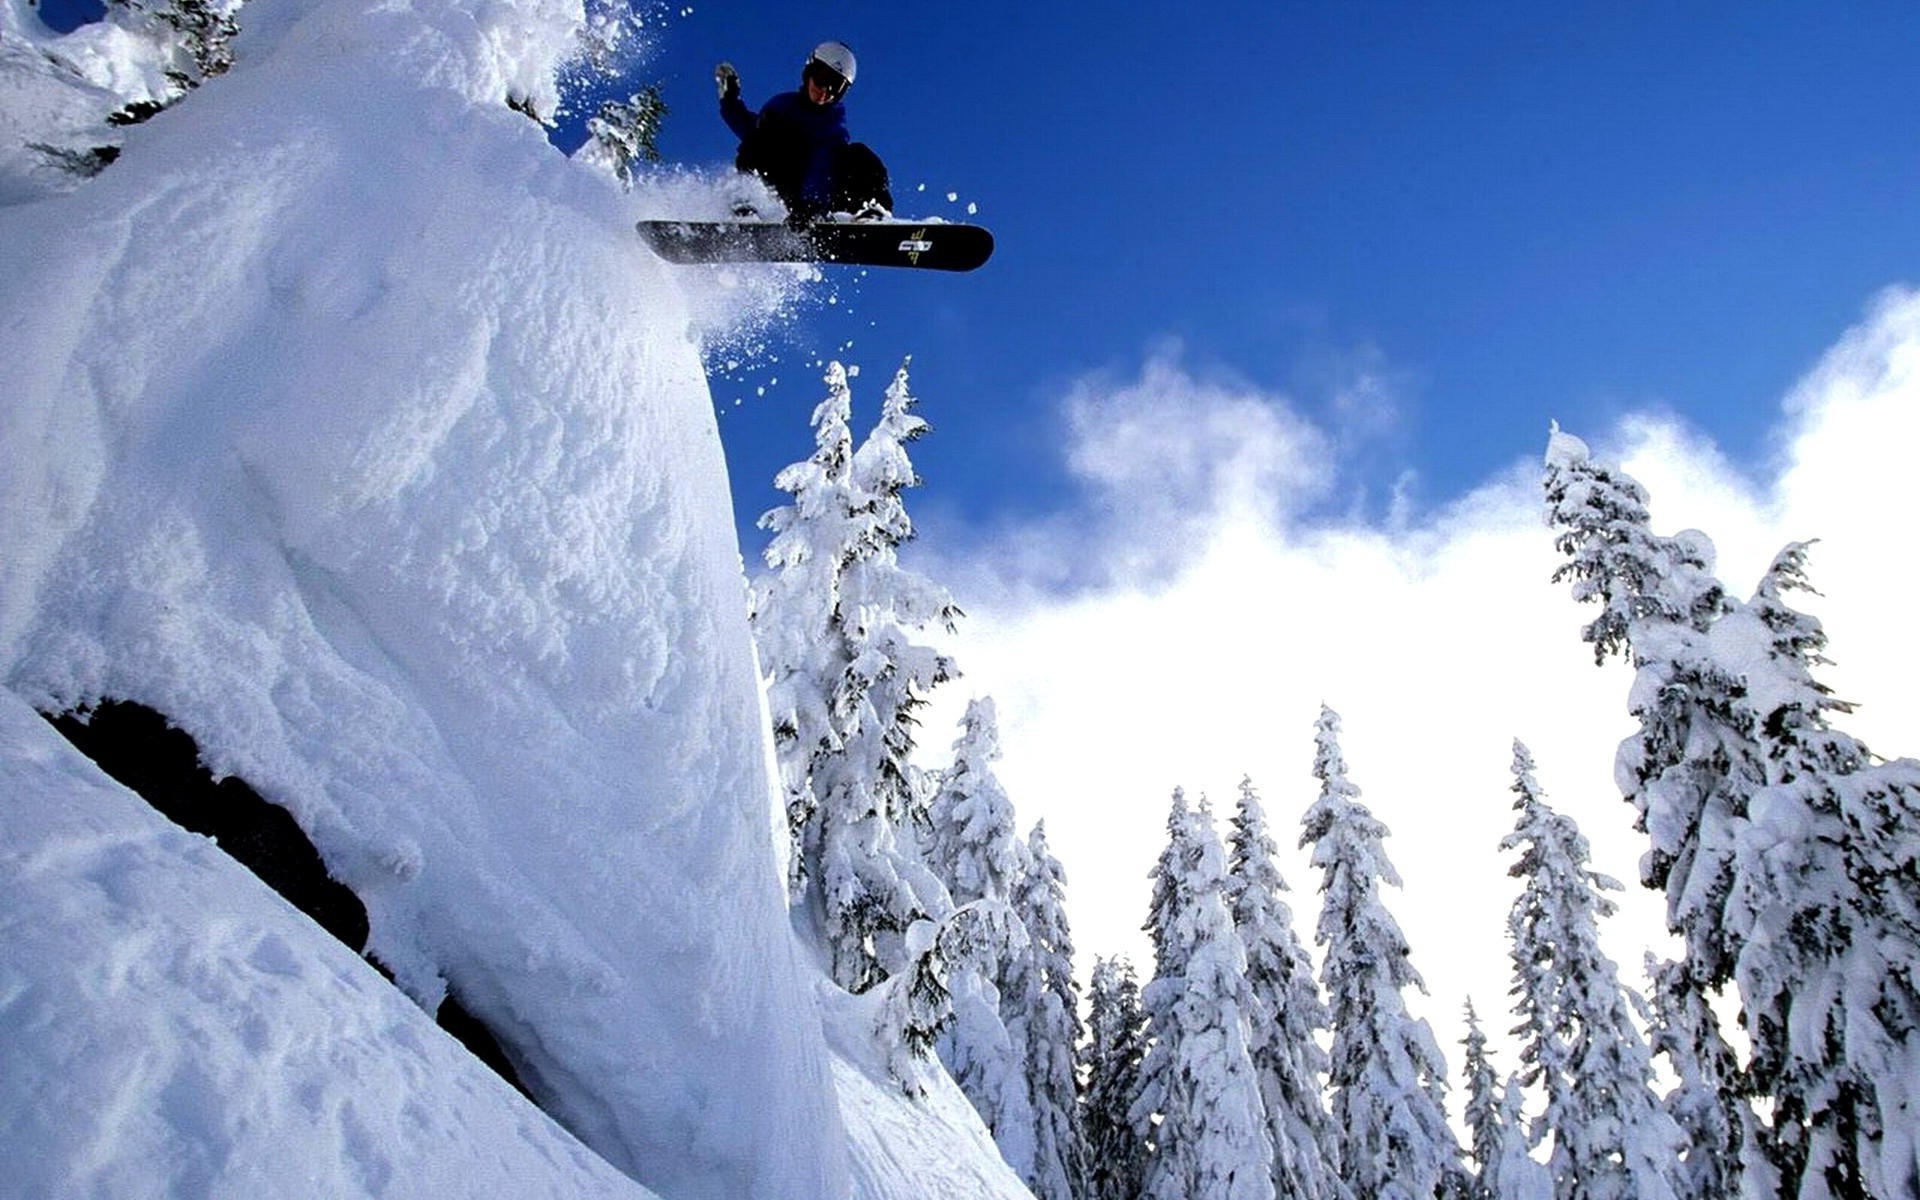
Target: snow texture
x=346, y=424
x=174, y=1028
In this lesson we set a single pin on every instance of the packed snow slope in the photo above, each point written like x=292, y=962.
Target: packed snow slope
x=344, y=421
x=158, y=1072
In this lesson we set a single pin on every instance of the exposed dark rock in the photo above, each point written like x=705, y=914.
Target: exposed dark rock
x=136, y=746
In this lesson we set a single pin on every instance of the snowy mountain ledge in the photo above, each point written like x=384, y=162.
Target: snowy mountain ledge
x=344, y=424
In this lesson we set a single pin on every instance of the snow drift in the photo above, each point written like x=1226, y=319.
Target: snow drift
x=218, y=1047
x=346, y=424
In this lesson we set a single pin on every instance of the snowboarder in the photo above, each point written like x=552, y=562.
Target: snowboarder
x=798, y=141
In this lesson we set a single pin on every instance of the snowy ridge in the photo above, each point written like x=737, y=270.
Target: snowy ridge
x=346, y=425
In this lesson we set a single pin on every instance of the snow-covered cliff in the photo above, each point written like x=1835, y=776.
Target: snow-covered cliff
x=343, y=421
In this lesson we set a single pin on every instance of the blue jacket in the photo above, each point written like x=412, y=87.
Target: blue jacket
x=792, y=143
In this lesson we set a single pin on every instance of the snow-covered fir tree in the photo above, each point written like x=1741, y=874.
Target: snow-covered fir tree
x=834, y=620
x=1614, y=557
x=1387, y=1074
x=883, y=604
x=972, y=845
x=917, y=1002
x=1693, y=764
x=1612, y=1138
x=1211, y=1135
x=1705, y=1101
x=198, y=34
x=1496, y=1128
x=1290, y=1016
x=1487, y=1134
x=1116, y=1043
x=1040, y=1006
x=1826, y=910
x=1788, y=860
x=1168, y=875
x=625, y=133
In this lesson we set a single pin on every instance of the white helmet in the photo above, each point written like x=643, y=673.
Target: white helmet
x=836, y=62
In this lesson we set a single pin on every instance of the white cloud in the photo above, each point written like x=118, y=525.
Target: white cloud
x=1168, y=456
x=1439, y=644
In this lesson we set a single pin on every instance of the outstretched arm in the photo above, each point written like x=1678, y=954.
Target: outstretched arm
x=734, y=110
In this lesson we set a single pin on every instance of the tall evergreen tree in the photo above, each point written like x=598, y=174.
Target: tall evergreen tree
x=883, y=605
x=1503, y=1170
x=1487, y=1134
x=1169, y=875
x=1041, y=1009
x=1211, y=1138
x=1615, y=558
x=1116, y=1044
x=1692, y=766
x=972, y=846
x=1612, y=1138
x=1387, y=1076
x=1827, y=909
x=1707, y=1077
x=1289, y=1015
x=917, y=1001
x=1787, y=858
x=833, y=620
x=971, y=842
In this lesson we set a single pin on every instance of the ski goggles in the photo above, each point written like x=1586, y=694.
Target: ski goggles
x=828, y=80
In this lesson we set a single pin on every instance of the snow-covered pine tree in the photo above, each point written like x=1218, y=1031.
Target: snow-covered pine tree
x=1707, y=1077
x=1387, y=1076
x=971, y=843
x=1612, y=1138
x=1211, y=1139
x=1503, y=1169
x=917, y=1004
x=981, y=1052
x=1040, y=1006
x=1787, y=857
x=832, y=619
x=624, y=133
x=198, y=33
x=1116, y=1043
x=1615, y=558
x=1826, y=912
x=883, y=604
x=1693, y=765
x=1289, y=1016
x=1487, y=1134
x=972, y=846
x=794, y=609
x=1169, y=876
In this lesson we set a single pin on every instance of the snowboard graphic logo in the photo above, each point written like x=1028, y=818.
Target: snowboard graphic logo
x=916, y=245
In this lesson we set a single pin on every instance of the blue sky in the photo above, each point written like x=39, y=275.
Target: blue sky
x=1478, y=218
x=1335, y=251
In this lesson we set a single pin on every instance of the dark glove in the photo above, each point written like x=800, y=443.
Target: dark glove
x=727, y=80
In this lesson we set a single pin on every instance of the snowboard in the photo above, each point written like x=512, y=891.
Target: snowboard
x=925, y=245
